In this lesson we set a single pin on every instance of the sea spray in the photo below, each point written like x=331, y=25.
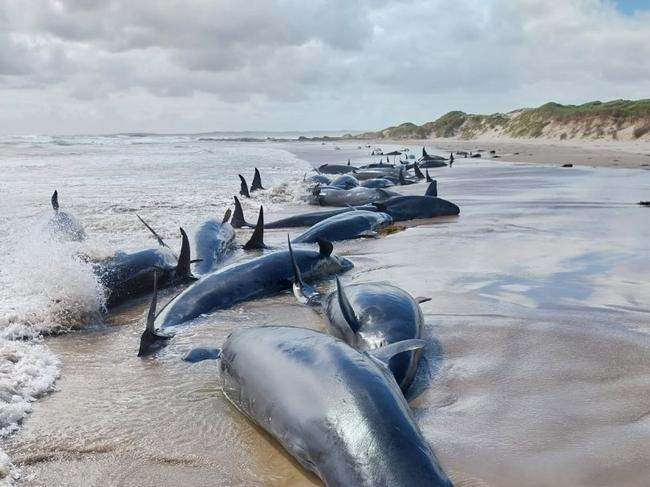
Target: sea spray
x=46, y=288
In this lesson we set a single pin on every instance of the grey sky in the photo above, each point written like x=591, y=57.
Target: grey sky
x=80, y=66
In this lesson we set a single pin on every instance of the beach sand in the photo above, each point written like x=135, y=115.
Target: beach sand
x=595, y=153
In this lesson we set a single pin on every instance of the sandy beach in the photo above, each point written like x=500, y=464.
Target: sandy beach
x=594, y=153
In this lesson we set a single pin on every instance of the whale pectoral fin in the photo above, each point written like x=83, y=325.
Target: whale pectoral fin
x=161, y=242
x=202, y=353
x=303, y=292
x=346, y=308
x=256, y=241
x=432, y=190
x=325, y=247
x=55, y=200
x=384, y=354
x=243, y=190
x=422, y=299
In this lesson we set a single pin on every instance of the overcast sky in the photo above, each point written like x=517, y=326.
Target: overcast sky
x=104, y=66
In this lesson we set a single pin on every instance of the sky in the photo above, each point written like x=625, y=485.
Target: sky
x=107, y=66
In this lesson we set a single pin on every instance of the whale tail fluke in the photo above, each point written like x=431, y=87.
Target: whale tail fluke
x=256, y=241
x=418, y=173
x=151, y=340
x=303, y=292
x=238, y=220
x=55, y=200
x=429, y=180
x=432, y=190
x=243, y=190
x=257, y=181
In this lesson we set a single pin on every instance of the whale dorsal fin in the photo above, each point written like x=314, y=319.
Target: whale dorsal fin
x=226, y=216
x=348, y=162
x=429, y=180
x=418, y=173
x=257, y=181
x=238, y=220
x=432, y=190
x=325, y=247
x=424, y=153
x=402, y=181
x=202, y=353
x=243, y=190
x=257, y=239
x=303, y=292
x=151, y=340
x=151, y=315
x=384, y=354
x=346, y=308
x=55, y=200
x=183, y=266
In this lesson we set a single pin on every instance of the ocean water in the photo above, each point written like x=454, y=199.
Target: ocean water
x=537, y=370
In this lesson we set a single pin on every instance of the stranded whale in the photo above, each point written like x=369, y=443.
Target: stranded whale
x=336, y=410
x=254, y=278
x=344, y=226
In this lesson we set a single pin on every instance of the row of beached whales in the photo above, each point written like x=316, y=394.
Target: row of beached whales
x=335, y=402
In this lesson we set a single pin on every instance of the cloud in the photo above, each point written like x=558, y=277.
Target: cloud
x=318, y=64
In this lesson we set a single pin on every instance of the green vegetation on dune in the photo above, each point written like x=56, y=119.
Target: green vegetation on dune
x=594, y=119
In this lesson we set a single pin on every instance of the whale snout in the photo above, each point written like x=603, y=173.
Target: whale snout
x=449, y=208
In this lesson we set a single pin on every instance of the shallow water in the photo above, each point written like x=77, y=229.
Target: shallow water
x=537, y=368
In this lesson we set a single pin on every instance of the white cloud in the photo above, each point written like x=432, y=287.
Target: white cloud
x=173, y=65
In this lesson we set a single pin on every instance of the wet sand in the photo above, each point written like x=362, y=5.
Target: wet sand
x=624, y=154
x=535, y=373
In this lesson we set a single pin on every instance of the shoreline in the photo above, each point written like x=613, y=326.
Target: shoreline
x=594, y=153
